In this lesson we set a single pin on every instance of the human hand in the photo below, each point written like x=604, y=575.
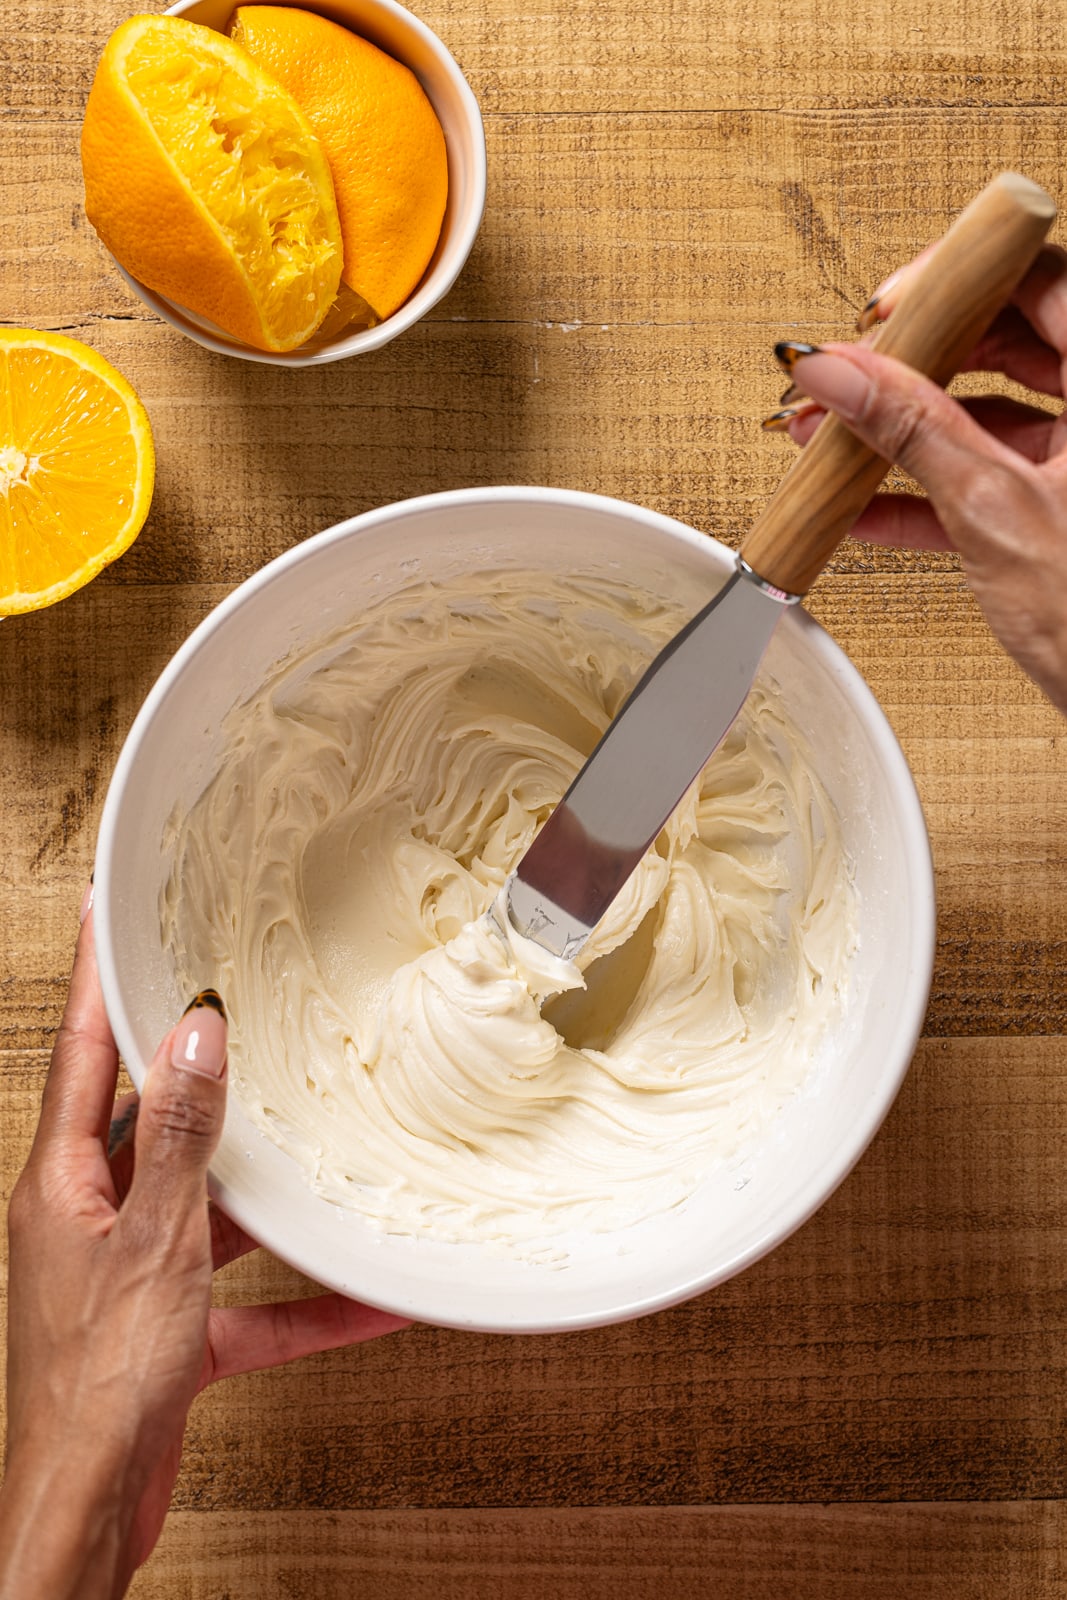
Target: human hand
x=995, y=470
x=111, y=1331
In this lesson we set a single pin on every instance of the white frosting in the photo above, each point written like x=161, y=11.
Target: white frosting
x=332, y=882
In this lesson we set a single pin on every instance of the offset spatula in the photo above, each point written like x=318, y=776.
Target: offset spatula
x=685, y=703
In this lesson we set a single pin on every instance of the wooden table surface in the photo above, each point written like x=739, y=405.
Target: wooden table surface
x=876, y=1411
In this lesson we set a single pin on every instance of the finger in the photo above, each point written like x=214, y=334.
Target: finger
x=123, y=1121
x=1057, y=439
x=183, y=1105
x=906, y=418
x=801, y=427
x=1027, y=341
x=228, y=1241
x=907, y=521
x=1042, y=298
x=888, y=292
x=252, y=1338
x=80, y=1088
x=1026, y=429
x=120, y=1139
x=783, y=420
x=1011, y=346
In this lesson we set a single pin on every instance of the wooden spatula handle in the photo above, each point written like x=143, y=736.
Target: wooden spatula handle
x=938, y=320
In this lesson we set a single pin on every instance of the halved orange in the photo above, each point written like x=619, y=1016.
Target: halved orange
x=205, y=180
x=381, y=136
x=76, y=467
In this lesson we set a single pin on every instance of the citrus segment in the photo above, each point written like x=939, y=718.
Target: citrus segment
x=76, y=467
x=204, y=179
x=381, y=136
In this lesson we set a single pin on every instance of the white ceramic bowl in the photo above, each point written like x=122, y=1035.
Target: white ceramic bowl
x=410, y=41
x=743, y=1210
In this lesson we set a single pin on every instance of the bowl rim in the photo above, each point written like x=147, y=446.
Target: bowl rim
x=903, y=1037
x=431, y=288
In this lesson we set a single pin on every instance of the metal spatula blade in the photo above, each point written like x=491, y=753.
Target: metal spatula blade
x=653, y=751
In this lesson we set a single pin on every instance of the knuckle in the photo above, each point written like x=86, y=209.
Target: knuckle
x=47, y=1193
x=982, y=497
x=22, y=1206
x=173, y=1117
x=167, y=1225
x=901, y=423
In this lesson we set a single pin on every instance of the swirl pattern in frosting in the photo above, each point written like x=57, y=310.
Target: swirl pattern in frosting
x=333, y=879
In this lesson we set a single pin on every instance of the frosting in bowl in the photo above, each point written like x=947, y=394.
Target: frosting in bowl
x=438, y=1075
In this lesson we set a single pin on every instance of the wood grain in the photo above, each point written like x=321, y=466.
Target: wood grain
x=675, y=56
x=843, y=1552
x=876, y=1410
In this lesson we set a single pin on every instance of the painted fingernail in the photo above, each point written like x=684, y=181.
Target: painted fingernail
x=787, y=352
x=87, y=901
x=789, y=395
x=836, y=383
x=869, y=315
x=199, y=1042
x=779, y=421
x=207, y=997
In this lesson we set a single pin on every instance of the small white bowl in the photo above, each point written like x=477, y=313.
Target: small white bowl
x=742, y=1210
x=411, y=42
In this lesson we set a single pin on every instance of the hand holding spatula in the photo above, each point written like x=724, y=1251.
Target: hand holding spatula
x=685, y=703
